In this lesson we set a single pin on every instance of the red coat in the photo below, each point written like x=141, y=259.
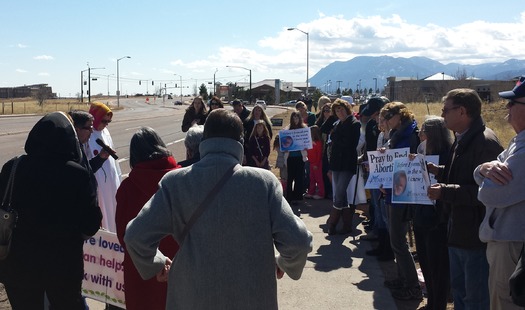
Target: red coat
x=132, y=194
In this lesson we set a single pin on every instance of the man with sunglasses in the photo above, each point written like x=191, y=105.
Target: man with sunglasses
x=501, y=191
x=474, y=144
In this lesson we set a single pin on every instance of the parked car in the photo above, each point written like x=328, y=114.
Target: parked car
x=178, y=102
x=170, y=96
x=290, y=103
x=262, y=103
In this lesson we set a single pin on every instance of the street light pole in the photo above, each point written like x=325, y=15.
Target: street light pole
x=307, y=53
x=250, y=94
x=108, y=81
x=118, y=80
x=89, y=81
x=180, y=85
x=82, y=85
x=214, y=85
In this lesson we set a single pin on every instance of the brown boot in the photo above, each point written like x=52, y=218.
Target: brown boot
x=332, y=221
x=348, y=216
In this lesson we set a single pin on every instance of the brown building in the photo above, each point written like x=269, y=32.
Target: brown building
x=26, y=91
x=432, y=90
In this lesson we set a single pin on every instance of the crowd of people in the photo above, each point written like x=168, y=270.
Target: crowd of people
x=217, y=215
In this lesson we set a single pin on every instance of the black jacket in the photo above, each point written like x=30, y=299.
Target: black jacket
x=345, y=137
x=56, y=205
x=459, y=193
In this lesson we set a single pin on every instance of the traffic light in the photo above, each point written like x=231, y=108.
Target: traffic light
x=140, y=82
x=152, y=83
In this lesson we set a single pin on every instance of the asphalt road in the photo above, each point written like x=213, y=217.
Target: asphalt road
x=165, y=118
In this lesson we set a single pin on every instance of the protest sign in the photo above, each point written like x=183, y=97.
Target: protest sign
x=381, y=167
x=411, y=180
x=295, y=139
x=103, y=269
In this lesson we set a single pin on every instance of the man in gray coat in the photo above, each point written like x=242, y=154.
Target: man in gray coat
x=227, y=259
x=501, y=191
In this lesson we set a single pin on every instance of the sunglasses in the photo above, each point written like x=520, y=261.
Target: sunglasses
x=89, y=128
x=105, y=121
x=327, y=110
x=446, y=110
x=214, y=103
x=389, y=116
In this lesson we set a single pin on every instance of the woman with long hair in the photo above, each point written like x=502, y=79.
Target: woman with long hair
x=215, y=103
x=430, y=225
x=195, y=114
x=259, y=146
x=343, y=164
x=150, y=160
x=295, y=163
x=257, y=114
x=403, y=134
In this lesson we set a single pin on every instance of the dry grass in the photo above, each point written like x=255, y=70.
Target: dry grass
x=493, y=114
x=30, y=106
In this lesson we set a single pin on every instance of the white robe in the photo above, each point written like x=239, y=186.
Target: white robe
x=108, y=179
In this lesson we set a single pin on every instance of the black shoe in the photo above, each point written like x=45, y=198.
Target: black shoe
x=368, y=238
x=405, y=293
x=345, y=231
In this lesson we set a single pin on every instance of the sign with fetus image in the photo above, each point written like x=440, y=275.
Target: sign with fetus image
x=295, y=139
x=411, y=180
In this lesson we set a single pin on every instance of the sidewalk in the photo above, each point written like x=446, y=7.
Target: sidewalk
x=338, y=274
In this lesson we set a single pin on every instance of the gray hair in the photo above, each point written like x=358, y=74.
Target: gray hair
x=193, y=138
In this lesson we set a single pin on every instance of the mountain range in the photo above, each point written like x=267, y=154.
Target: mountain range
x=361, y=72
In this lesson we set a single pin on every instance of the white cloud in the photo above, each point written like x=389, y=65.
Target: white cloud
x=335, y=38
x=43, y=74
x=43, y=57
x=20, y=45
x=21, y=71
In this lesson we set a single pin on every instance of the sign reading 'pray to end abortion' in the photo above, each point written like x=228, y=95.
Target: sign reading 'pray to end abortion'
x=103, y=269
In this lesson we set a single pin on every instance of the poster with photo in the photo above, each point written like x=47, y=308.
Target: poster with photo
x=410, y=180
x=381, y=167
x=295, y=139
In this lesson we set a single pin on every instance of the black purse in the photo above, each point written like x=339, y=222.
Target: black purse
x=8, y=216
x=517, y=283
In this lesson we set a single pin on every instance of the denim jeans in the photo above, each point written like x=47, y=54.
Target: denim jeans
x=378, y=204
x=406, y=268
x=469, y=276
x=341, y=179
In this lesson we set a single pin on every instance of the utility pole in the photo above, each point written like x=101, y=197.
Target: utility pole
x=339, y=85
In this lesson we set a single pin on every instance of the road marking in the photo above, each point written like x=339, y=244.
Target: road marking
x=132, y=128
x=180, y=140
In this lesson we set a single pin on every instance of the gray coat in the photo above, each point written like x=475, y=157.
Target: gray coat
x=505, y=216
x=227, y=260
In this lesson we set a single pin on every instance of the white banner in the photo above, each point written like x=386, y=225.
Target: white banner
x=103, y=269
x=381, y=167
x=295, y=139
x=411, y=180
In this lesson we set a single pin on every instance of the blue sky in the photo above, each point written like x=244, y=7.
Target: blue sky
x=51, y=41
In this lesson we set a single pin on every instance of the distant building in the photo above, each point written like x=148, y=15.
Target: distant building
x=26, y=91
x=265, y=90
x=434, y=87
